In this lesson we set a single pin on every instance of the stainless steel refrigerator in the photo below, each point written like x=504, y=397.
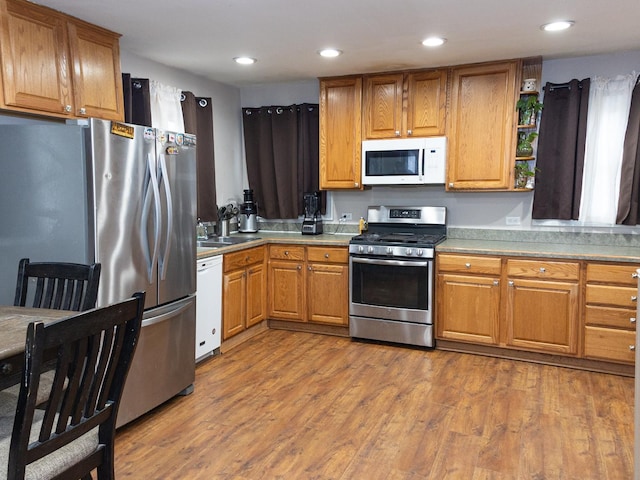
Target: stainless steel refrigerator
x=124, y=196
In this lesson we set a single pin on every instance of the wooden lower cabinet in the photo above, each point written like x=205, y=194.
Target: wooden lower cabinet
x=468, y=308
x=536, y=309
x=610, y=312
x=542, y=315
x=468, y=298
x=328, y=285
x=286, y=282
x=309, y=284
x=243, y=290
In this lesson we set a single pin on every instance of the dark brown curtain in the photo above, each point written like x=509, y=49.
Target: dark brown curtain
x=628, y=211
x=137, y=106
x=281, y=147
x=198, y=120
x=560, y=157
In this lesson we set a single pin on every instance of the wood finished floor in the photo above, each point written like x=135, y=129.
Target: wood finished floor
x=289, y=405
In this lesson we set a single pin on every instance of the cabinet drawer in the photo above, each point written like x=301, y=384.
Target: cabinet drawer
x=609, y=344
x=469, y=264
x=620, y=274
x=236, y=260
x=327, y=254
x=543, y=269
x=286, y=252
x=612, y=295
x=610, y=317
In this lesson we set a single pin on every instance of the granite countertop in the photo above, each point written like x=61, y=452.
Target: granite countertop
x=570, y=251
x=266, y=237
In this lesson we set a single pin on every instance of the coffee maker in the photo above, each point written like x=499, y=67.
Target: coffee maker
x=312, y=223
x=248, y=215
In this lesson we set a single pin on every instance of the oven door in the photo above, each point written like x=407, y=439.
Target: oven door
x=390, y=289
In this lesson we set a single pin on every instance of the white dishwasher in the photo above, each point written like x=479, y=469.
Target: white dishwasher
x=208, y=306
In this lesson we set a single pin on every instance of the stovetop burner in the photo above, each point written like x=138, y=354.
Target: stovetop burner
x=401, y=238
x=401, y=231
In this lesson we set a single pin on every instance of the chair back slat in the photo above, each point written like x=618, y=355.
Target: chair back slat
x=57, y=285
x=92, y=353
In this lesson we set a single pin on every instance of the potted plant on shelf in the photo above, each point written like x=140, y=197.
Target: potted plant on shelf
x=524, y=147
x=528, y=108
x=523, y=173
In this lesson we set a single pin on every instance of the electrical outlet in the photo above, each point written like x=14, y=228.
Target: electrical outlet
x=513, y=220
x=347, y=216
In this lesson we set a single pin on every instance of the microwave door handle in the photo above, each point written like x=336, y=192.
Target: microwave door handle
x=421, y=167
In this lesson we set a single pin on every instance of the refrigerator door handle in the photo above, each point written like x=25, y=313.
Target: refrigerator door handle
x=152, y=192
x=164, y=259
x=167, y=313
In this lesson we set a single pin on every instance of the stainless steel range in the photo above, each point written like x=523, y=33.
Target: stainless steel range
x=392, y=274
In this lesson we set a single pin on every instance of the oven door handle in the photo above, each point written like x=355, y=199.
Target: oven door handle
x=395, y=263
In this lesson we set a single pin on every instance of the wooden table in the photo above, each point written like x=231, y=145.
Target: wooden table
x=13, y=335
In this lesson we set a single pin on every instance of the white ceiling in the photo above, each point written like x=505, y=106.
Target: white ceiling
x=203, y=36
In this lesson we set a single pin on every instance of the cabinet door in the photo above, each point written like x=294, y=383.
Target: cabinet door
x=426, y=104
x=383, y=106
x=286, y=284
x=35, y=72
x=233, y=303
x=97, y=79
x=468, y=308
x=543, y=316
x=481, y=126
x=256, y=295
x=340, y=133
x=327, y=293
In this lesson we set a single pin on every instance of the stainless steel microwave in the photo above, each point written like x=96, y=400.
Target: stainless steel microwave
x=404, y=161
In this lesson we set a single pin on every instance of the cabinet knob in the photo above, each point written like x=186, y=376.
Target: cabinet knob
x=286, y=252
x=409, y=132
x=450, y=184
x=511, y=284
x=632, y=348
x=356, y=184
x=397, y=133
x=83, y=111
x=299, y=267
x=542, y=269
x=467, y=265
x=634, y=275
x=326, y=255
x=309, y=267
x=496, y=283
x=67, y=108
x=6, y=368
x=634, y=298
x=632, y=320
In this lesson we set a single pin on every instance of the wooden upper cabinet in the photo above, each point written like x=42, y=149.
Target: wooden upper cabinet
x=340, y=132
x=58, y=65
x=383, y=106
x=411, y=104
x=97, y=78
x=35, y=71
x=481, y=126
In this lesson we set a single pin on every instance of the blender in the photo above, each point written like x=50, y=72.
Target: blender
x=312, y=223
x=248, y=216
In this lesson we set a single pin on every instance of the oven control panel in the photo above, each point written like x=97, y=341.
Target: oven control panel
x=412, y=213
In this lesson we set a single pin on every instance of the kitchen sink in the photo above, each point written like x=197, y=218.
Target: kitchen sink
x=221, y=241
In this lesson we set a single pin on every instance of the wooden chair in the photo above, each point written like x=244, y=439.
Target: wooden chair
x=58, y=285
x=74, y=433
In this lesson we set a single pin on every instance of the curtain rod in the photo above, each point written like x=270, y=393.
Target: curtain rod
x=555, y=86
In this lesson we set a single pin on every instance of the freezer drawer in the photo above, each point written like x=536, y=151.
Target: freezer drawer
x=164, y=362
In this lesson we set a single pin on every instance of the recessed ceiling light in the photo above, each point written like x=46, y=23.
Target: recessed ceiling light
x=433, y=41
x=244, y=60
x=557, y=26
x=330, y=52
